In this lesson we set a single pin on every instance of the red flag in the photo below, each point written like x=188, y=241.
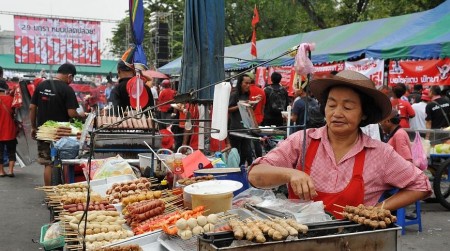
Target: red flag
x=253, y=49
x=255, y=20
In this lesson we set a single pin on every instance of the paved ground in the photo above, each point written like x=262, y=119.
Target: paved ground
x=22, y=215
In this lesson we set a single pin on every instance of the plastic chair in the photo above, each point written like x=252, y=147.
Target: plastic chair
x=404, y=220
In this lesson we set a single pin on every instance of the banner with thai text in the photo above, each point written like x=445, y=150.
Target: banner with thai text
x=287, y=73
x=424, y=72
x=261, y=76
x=371, y=68
x=321, y=70
x=40, y=40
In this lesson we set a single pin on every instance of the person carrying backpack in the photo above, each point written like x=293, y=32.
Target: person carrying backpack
x=276, y=101
x=314, y=118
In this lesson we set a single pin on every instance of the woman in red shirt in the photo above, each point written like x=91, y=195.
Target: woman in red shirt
x=8, y=130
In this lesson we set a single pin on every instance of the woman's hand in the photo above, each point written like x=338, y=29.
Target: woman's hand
x=302, y=185
x=33, y=133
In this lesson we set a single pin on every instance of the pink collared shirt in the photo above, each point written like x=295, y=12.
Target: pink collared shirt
x=383, y=167
x=401, y=144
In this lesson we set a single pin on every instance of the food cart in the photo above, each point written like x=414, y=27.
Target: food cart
x=438, y=153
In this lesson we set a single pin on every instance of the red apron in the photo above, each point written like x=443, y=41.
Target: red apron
x=352, y=195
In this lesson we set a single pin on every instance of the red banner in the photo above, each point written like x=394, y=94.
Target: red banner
x=56, y=41
x=287, y=73
x=261, y=76
x=324, y=69
x=424, y=72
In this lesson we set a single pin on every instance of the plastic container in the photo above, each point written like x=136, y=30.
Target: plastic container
x=230, y=173
x=218, y=163
x=215, y=195
x=214, y=203
x=53, y=243
x=220, y=110
x=159, y=170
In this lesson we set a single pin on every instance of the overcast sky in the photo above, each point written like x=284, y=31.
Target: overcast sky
x=101, y=9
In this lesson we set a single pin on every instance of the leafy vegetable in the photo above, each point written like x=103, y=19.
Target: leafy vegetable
x=51, y=123
x=78, y=124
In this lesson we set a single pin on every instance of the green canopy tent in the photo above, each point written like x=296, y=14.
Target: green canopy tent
x=7, y=62
x=419, y=35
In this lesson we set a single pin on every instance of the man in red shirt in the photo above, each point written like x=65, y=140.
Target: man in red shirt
x=403, y=107
x=257, y=94
x=165, y=95
x=7, y=130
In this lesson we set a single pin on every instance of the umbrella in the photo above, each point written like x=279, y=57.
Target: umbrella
x=156, y=74
x=138, y=54
x=203, y=47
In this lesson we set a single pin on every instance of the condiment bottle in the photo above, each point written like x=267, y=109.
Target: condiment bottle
x=177, y=168
x=164, y=185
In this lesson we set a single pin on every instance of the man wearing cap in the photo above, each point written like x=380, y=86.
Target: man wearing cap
x=54, y=100
x=396, y=136
x=418, y=121
x=120, y=95
x=165, y=95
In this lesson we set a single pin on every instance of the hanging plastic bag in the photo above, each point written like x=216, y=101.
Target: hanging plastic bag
x=418, y=154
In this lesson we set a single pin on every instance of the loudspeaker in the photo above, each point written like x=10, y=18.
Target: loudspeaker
x=163, y=55
x=163, y=29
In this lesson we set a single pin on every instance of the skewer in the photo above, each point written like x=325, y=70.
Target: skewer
x=339, y=206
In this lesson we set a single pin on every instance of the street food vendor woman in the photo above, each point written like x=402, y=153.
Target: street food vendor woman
x=343, y=166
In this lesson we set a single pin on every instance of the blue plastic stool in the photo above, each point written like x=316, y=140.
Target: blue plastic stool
x=402, y=219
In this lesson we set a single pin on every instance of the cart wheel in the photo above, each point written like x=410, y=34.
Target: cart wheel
x=441, y=184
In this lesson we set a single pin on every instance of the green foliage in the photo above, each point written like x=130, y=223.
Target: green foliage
x=120, y=43
x=277, y=18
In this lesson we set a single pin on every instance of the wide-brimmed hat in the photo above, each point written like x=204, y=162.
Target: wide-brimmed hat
x=355, y=80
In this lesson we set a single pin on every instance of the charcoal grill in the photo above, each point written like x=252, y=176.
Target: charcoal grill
x=333, y=235
x=124, y=140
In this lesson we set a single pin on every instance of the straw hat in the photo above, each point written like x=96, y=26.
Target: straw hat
x=354, y=80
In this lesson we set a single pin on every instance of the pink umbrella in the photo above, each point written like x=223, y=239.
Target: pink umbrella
x=154, y=74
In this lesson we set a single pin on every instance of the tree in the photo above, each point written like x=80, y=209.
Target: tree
x=119, y=42
x=277, y=18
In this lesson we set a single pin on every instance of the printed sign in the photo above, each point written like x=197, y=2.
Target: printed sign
x=424, y=72
x=287, y=80
x=371, y=68
x=56, y=41
x=324, y=69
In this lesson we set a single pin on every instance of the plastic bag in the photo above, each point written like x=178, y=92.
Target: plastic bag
x=303, y=211
x=53, y=232
x=253, y=196
x=109, y=167
x=67, y=147
x=419, y=156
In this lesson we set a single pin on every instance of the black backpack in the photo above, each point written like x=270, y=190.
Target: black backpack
x=315, y=118
x=277, y=99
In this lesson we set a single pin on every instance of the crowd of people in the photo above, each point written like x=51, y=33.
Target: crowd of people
x=333, y=118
